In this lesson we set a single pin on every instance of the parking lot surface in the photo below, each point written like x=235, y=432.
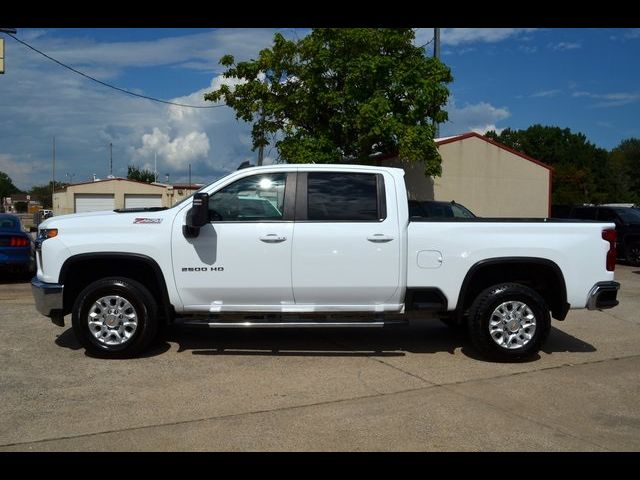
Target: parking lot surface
x=419, y=388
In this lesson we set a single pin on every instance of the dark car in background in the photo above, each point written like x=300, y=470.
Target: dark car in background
x=435, y=209
x=16, y=247
x=627, y=220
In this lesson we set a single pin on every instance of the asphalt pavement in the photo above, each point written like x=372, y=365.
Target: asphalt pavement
x=418, y=388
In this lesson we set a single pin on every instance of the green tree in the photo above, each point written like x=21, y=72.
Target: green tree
x=341, y=93
x=7, y=188
x=42, y=193
x=581, y=168
x=625, y=160
x=141, y=175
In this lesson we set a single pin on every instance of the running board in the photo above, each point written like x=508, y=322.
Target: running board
x=378, y=324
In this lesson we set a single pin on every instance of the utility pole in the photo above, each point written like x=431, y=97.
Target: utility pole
x=155, y=166
x=53, y=171
x=111, y=159
x=436, y=54
x=189, y=176
x=261, y=148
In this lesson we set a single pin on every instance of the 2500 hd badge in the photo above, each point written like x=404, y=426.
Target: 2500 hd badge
x=203, y=269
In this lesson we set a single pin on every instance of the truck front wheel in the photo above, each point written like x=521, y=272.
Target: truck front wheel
x=509, y=321
x=115, y=318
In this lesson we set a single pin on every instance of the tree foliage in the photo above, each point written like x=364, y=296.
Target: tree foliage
x=42, y=193
x=582, y=173
x=7, y=188
x=341, y=93
x=141, y=175
x=624, y=161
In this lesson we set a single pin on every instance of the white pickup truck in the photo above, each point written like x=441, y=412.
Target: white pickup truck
x=316, y=246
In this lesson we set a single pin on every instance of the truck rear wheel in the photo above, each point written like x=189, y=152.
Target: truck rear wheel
x=509, y=322
x=115, y=318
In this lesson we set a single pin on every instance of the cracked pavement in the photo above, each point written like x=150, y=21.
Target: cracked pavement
x=421, y=388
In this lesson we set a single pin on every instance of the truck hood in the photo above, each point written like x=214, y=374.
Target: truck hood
x=91, y=220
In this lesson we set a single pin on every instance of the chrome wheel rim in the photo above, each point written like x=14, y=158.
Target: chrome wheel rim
x=112, y=320
x=512, y=325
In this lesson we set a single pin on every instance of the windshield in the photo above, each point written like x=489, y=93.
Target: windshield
x=8, y=223
x=629, y=215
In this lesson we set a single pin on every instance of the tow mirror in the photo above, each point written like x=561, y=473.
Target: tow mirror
x=198, y=215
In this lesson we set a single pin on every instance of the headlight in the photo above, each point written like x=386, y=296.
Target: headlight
x=43, y=235
x=48, y=233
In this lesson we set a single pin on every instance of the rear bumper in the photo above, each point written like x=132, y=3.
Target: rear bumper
x=15, y=257
x=603, y=295
x=48, y=297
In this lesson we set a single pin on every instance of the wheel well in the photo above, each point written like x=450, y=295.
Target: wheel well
x=543, y=276
x=78, y=272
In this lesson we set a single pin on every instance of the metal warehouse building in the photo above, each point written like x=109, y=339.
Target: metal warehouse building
x=115, y=193
x=489, y=178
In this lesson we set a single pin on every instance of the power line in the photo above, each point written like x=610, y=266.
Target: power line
x=107, y=84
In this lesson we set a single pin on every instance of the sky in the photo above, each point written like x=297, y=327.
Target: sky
x=582, y=79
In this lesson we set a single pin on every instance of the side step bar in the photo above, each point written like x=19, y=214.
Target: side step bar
x=374, y=324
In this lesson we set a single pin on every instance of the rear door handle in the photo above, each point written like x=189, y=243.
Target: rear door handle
x=379, y=238
x=272, y=238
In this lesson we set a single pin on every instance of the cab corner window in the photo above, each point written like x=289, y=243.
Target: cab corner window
x=251, y=199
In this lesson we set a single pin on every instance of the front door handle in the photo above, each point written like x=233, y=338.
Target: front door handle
x=379, y=238
x=272, y=238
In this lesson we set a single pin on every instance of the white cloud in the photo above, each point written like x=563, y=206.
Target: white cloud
x=177, y=152
x=564, y=46
x=41, y=100
x=479, y=117
x=632, y=33
x=545, y=93
x=528, y=48
x=616, y=99
x=23, y=171
x=457, y=36
x=487, y=128
x=201, y=50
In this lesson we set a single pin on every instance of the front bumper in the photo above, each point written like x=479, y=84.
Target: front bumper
x=603, y=295
x=48, y=297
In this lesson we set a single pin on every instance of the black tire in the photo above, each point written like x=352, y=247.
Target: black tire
x=138, y=298
x=483, y=308
x=632, y=254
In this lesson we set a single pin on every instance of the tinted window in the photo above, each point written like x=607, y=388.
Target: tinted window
x=584, y=213
x=415, y=210
x=255, y=198
x=629, y=215
x=440, y=210
x=461, y=212
x=561, y=211
x=342, y=196
x=607, y=215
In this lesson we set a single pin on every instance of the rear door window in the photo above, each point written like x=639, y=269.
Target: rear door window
x=339, y=196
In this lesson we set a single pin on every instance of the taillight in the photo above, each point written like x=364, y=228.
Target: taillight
x=610, y=236
x=19, y=242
